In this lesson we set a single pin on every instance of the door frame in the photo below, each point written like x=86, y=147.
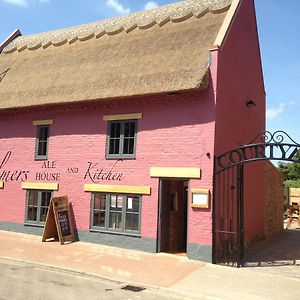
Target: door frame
x=158, y=243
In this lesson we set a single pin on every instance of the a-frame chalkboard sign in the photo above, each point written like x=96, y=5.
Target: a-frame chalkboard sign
x=58, y=221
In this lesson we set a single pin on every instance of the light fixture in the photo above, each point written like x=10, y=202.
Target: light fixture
x=250, y=103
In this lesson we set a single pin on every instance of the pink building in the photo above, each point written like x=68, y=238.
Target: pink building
x=125, y=116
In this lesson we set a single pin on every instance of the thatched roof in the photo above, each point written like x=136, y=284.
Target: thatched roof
x=161, y=50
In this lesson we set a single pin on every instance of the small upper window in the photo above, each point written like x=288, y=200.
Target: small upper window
x=121, y=139
x=42, y=140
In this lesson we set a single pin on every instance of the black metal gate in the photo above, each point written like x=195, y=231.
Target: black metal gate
x=228, y=196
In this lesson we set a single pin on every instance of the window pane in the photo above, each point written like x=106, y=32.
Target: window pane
x=129, y=129
x=115, y=220
x=42, y=140
x=33, y=198
x=119, y=203
x=136, y=204
x=99, y=210
x=132, y=222
x=99, y=218
x=115, y=130
x=133, y=204
x=45, y=201
x=114, y=146
x=114, y=138
x=46, y=196
x=32, y=213
x=43, y=214
x=43, y=133
x=42, y=148
x=128, y=146
x=100, y=201
x=116, y=203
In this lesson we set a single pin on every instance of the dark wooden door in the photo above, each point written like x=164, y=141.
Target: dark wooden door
x=172, y=216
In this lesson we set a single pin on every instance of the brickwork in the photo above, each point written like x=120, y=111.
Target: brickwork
x=274, y=201
x=239, y=79
x=175, y=131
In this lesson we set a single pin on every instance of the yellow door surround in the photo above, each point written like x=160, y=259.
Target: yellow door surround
x=176, y=172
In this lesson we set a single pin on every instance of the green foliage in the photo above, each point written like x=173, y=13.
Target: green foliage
x=291, y=172
x=292, y=183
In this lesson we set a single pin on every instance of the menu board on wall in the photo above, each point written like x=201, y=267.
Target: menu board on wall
x=58, y=221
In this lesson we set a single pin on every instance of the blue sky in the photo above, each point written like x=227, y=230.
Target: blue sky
x=278, y=25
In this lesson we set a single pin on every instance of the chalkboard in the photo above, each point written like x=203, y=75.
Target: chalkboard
x=58, y=221
x=64, y=223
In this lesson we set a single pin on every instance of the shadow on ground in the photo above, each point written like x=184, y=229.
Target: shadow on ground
x=284, y=251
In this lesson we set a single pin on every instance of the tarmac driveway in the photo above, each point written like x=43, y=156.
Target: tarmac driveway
x=281, y=256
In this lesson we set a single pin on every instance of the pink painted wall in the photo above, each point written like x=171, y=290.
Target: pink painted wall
x=239, y=79
x=175, y=131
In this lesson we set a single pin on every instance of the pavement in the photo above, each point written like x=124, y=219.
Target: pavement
x=165, y=272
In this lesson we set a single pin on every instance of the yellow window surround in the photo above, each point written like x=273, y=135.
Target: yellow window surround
x=122, y=117
x=125, y=189
x=42, y=122
x=40, y=186
x=171, y=172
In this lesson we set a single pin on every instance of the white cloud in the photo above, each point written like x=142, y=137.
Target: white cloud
x=118, y=7
x=291, y=103
x=150, y=4
x=17, y=2
x=24, y=3
x=274, y=112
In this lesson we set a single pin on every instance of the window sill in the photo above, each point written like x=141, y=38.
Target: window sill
x=40, y=158
x=137, y=235
x=34, y=224
x=119, y=158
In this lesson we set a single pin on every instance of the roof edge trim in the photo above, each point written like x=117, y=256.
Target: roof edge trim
x=219, y=41
x=9, y=39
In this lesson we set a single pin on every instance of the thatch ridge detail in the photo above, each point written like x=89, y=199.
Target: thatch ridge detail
x=176, y=12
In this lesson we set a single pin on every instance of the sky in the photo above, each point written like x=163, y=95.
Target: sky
x=278, y=28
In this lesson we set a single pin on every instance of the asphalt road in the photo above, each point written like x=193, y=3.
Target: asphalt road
x=23, y=281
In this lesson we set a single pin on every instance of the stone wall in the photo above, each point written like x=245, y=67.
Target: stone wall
x=294, y=195
x=274, y=201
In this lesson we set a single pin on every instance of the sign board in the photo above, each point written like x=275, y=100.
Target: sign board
x=200, y=198
x=58, y=221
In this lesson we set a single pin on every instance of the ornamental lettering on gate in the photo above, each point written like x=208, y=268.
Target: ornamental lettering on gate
x=270, y=146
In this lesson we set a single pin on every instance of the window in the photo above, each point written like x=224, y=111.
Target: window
x=118, y=213
x=37, y=206
x=42, y=139
x=121, y=139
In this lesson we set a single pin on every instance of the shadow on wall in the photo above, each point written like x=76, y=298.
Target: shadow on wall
x=159, y=111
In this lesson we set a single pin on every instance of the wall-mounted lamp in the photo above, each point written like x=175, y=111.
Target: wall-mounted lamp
x=173, y=94
x=250, y=103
